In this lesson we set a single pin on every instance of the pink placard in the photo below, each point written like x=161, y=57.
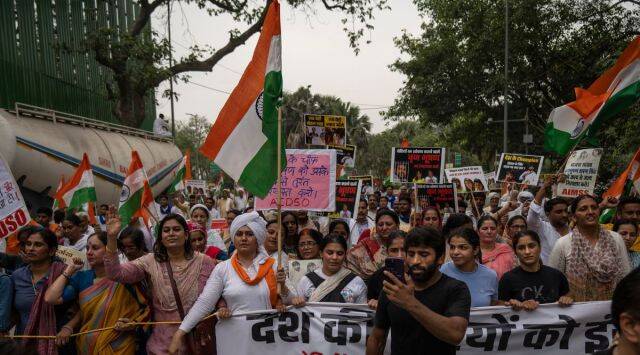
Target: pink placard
x=308, y=182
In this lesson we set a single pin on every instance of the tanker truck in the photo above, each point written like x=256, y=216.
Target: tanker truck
x=42, y=145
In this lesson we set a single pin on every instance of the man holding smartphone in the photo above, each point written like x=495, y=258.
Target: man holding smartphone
x=428, y=314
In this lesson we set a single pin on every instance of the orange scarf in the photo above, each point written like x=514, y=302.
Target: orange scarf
x=265, y=271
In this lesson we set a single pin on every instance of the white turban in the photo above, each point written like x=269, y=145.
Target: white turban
x=525, y=194
x=254, y=222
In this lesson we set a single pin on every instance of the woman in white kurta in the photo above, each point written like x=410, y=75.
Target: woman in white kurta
x=333, y=282
x=247, y=281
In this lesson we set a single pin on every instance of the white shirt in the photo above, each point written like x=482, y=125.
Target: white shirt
x=548, y=235
x=173, y=210
x=354, y=292
x=562, y=251
x=356, y=230
x=161, y=128
x=240, y=297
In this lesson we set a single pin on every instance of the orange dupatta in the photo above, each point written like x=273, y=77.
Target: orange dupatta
x=265, y=271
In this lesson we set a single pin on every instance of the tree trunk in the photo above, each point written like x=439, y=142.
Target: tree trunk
x=130, y=105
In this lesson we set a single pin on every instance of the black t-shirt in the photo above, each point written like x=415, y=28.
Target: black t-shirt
x=374, y=284
x=448, y=297
x=545, y=285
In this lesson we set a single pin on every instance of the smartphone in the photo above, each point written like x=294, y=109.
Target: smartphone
x=396, y=267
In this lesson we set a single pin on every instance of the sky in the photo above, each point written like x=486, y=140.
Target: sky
x=315, y=52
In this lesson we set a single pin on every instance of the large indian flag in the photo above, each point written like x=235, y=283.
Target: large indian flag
x=183, y=173
x=616, y=89
x=243, y=140
x=136, y=198
x=80, y=192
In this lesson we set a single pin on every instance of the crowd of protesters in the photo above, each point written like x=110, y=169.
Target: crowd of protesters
x=517, y=249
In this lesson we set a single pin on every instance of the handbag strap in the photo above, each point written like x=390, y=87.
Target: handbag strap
x=174, y=288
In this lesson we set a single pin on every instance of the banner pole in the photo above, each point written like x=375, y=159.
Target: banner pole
x=279, y=191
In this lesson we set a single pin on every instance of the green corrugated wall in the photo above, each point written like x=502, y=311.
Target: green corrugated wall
x=34, y=67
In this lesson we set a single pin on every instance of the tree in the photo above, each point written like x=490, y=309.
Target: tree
x=137, y=57
x=302, y=101
x=455, y=67
x=189, y=137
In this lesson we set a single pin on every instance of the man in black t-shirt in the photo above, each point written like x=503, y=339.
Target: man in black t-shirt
x=625, y=315
x=428, y=314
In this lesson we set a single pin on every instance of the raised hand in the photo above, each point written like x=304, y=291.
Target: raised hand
x=74, y=266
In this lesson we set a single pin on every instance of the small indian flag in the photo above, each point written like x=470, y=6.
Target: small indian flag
x=136, y=198
x=616, y=89
x=243, y=140
x=58, y=202
x=80, y=191
x=183, y=173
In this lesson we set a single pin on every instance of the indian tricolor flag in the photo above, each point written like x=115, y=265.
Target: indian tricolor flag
x=628, y=182
x=616, y=89
x=80, y=192
x=136, y=198
x=243, y=140
x=58, y=202
x=183, y=173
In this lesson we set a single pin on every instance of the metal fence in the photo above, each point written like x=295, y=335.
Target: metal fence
x=39, y=61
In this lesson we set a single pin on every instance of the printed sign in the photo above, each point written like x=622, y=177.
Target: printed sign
x=347, y=198
x=196, y=187
x=345, y=156
x=334, y=328
x=366, y=188
x=419, y=165
x=442, y=195
x=299, y=268
x=308, y=182
x=581, y=172
x=325, y=130
x=13, y=211
x=523, y=169
x=467, y=179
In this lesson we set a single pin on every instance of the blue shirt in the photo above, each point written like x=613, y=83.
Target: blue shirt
x=482, y=283
x=24, y=295
x=6, y=290
x=79, y=282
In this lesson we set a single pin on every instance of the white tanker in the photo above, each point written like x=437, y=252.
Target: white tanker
x=42, y=145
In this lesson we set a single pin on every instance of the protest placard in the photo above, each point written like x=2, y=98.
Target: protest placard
x=467, y=179
x=519, y=168
x=419, y=165
x=325, y=130
x=581, y=172
x=308, y=182
x=13, y=211
x=347, y=198
x=196, y=187
x=299, y=268
x=67, y=254
x=444, y=196
x=345, y=155
x=366, y=187
x=343, y=328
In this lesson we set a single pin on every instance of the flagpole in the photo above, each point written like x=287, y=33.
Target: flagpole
x=279, y=190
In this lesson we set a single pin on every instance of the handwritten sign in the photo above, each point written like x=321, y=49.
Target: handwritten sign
x=13, y=211
x=419, y=165
x=581, y=172
x=467, y=178
x=308, y=182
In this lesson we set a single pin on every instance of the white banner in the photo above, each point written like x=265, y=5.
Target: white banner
x=333, y=328
x=318, y=328
x=581, y=328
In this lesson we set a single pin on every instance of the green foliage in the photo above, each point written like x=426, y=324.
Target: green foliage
x=189, y=137
x=455, y=68
x=138, y=58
